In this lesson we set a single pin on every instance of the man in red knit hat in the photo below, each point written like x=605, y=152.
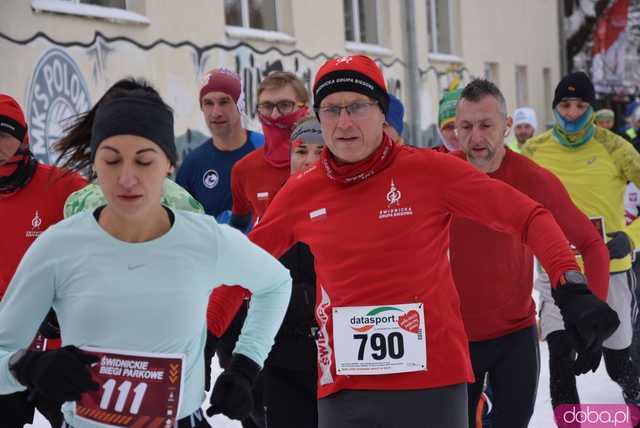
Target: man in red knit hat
x=376, y=217
x=206, y=170
x=32, y=197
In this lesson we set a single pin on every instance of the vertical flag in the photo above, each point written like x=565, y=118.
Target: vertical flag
x=609, y=40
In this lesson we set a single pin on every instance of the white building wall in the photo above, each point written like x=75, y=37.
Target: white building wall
x=56, y=64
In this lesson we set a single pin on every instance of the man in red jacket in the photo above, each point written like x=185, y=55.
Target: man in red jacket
x=256, y=178
x=376, y=217
x=32, y=197
x=493, y=271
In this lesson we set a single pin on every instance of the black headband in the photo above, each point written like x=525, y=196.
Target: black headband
x=135, y=116
x=12, y=127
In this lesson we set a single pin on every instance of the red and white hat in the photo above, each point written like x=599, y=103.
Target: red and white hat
x=356, y=73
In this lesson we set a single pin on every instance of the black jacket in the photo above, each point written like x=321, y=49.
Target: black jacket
x=294, y=346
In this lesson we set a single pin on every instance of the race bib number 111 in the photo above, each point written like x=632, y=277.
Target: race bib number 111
x=136, y=390
x=376, y=340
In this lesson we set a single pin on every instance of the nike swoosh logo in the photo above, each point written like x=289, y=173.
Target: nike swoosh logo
x=134, y=267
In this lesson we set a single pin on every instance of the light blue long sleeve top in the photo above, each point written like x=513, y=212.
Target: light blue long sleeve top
x=147, y=297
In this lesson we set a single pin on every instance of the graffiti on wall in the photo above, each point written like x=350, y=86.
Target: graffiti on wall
x=57, y=92
x=60, y=71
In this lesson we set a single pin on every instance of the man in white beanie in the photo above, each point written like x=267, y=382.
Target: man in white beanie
x=525, y=125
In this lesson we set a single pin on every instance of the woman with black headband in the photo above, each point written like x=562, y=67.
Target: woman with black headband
x=75, y=156
x=130, y=284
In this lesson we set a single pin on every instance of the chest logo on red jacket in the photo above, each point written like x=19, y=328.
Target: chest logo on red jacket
x=394, y=208
x=394, y=195
x=36, y=222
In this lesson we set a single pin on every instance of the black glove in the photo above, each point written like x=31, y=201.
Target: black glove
x=209, y=352
x=50, y=327
x=588, y=321
x=587, y=360
x=59, y=375
x=232, y=394
x=619, y=245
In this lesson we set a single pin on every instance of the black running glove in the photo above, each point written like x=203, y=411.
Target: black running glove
x=588, y=360
x=59, y=375
x=50, y=327
x=619, y=245
x=232, y=394
x=587, y=319
x=209, y=352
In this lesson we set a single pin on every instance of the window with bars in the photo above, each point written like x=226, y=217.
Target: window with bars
x=361, y=23
x=258, y=14
x=492, y=72
x=522, y=86
x=439, y=26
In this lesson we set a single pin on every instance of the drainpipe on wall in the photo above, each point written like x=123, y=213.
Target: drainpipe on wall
x=413, y=76
x=562, y=39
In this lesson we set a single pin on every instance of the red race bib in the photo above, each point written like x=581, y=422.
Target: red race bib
x=137, y=389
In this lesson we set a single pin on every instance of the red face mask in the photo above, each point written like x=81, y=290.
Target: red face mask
x=277, y=133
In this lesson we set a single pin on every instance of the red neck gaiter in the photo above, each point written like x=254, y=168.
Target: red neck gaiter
x=277, y=133
x=359, y=171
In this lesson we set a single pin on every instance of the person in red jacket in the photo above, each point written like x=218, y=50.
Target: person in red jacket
x=376, y=217
x=493, y=271
x=256, y=178
x=32, y=197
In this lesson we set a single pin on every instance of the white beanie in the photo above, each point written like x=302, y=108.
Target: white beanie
x=525, y=115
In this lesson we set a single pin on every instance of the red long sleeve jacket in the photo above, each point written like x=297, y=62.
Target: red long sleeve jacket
x=29, y=212
x=493, y=271
x=384, y=241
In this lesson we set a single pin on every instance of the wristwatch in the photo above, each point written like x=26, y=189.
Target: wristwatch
x=14, y=362
x=573, y=277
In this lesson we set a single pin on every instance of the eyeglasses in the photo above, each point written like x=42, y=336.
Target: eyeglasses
x=284, y=107
x=356, y=111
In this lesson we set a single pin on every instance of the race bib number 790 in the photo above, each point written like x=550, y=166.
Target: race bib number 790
x=373, y=340
x=136, y=390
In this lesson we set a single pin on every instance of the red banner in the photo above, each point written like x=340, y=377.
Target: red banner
x=609, y=42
